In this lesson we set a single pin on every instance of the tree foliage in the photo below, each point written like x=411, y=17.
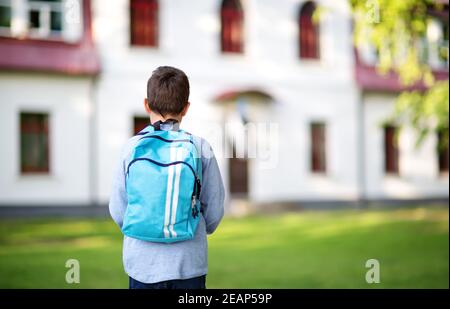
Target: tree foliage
x=397, y=31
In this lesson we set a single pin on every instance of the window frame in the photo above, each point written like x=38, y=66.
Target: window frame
x=45, y=10
x=70, y=32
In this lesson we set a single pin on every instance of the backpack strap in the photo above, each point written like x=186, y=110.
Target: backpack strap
x=166, y=125
x=146, y=130
x=198, y=166
x=198, y=179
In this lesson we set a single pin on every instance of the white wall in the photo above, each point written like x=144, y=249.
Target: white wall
x=292, y=179
x=305, y=91
x=418, y=167
x=67, y=100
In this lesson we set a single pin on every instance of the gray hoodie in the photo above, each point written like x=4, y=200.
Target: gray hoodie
x=151, y=262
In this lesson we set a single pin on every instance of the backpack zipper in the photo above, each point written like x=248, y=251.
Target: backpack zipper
x=168, y=140
x=161, y=164
x=197, y=184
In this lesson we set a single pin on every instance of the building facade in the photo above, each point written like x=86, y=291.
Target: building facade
x=73, y=78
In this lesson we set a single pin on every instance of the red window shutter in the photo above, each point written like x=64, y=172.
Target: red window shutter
x=308, y=33
x=144, y=22
x=232, y=26
x=391, y=150
x=318, y=148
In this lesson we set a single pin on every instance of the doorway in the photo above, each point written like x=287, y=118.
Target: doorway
x=238, y=175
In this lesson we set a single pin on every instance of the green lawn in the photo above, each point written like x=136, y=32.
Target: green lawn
x=293, y=250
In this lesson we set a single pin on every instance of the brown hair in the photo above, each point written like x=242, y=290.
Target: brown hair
x=168, y=91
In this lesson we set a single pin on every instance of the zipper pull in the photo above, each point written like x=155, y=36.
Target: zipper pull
x=198, y=187
x=193, y=207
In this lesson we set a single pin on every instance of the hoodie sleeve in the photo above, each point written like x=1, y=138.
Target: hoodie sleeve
x=118, y=199
x=213, y=193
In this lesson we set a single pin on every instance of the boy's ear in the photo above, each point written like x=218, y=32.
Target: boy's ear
x=146, y=106
x=185, y=109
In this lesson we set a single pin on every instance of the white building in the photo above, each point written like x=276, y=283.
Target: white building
x=65, y=117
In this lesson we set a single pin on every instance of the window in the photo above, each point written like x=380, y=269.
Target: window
x=5, y=17
x=144, y=23
x=443, y=48
x=391, y=150
x=433, y=47
x=318, y=148
x=34, y=143
x=308, y=32
x=442, y=150
x=41, y=19
x=45, y=18
x=5, y=14
x=232, y=26
x=140, y=123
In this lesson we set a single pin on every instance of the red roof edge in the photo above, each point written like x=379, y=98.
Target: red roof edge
x=368, y=78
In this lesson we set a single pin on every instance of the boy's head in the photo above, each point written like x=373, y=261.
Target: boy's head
x=167, y=93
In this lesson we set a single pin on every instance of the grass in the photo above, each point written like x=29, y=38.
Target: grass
x=293, y=250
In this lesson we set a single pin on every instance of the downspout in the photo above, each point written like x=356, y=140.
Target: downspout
x=361, y=202
x=93, y=116
x=93, y=166
x=361, y=155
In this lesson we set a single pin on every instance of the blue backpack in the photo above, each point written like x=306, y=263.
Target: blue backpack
x=163, y=183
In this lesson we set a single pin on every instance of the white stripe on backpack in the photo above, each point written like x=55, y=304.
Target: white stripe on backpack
x=169, y=193
x=176, y=191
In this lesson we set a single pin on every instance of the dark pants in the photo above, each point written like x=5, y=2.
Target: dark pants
x=192, y=283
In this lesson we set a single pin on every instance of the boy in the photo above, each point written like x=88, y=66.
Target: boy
x=181, y=264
